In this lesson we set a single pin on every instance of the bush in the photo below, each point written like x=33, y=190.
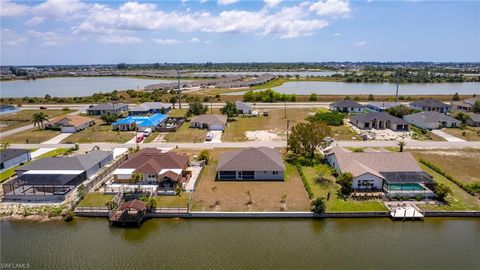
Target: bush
x=304, y=180
x=267, y=96
x=331, y=118
x=204, y=155
x=441, y=191
x=318, y=205
x=345, y=181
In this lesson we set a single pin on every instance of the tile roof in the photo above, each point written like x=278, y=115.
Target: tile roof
x=251, y=159
x=8, y=154
x=152, y=161
x=70, y=120
x=382, y=116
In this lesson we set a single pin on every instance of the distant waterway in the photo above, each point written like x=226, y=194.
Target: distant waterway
x=71, y=87
x=341, y=88
x=278, y=73
x=436, y=243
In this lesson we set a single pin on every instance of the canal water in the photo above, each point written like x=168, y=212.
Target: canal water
x=436, y=243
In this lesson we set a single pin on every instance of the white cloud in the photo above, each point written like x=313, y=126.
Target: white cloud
x=331, y=7
x=61, y=9
x=48, y=39
x=226, y=2
x=337, y=34
x=194, y=40
x=9, y=8
x=207, y=42
x=16, y=42
x=121, y=40
x=34, y=21
x=167, y=41
x=271, y=3
x=360, y=43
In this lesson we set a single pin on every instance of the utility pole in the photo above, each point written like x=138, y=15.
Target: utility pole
x=288, y=129
x=179, y=91
x=285, y=108
x=398, y=82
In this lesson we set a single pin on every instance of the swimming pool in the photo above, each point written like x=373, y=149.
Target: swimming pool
x=406, y=186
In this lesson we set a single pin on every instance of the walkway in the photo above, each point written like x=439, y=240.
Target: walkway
x=55, y=140
x=446, y=136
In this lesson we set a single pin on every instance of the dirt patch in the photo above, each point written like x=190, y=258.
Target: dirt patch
x=264, y=135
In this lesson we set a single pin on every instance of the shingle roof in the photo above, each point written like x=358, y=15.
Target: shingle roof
x=8, y=154
x=242, y=105
x=70, y=120
x=474, y=117
x=107, y=107
x=146, y=106
x=152, y=160
x=432, y=103
x=78, y=162
x=346, y=104
x=251, y=159
x=430, y=117
x=369, y=117
x=211, y=119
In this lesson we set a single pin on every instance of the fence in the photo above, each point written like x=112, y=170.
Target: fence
x=92, y=183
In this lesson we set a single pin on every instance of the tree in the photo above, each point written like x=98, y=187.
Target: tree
x=196, y=108
x=401, y=144
x=476, y=106
x=4, y=145
x=456, y=97
x=318, y=205
x=371, y=98
x=399, y=111
x=462, y=117
x=173, y=100
x=137, y=178
x=204, y=155
x=229, y=109
x=48, y=97
x=39, y=119
x=109, y=118
x=441, y=191
x=345, y=181
x=331, y=118
x=313, y=97
x=305, y=138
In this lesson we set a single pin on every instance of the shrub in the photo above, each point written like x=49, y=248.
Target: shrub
x=318, y=205
x=345, y=182
x=304, y=180
x=441, y=191
x=204, y=155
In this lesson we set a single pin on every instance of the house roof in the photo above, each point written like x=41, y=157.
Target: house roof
x=107, y=106
x=382, y=116
x=79, y=162
x=152, y=161
x=242, y=105
x=70, y=120
x=432, y=103
x=346, y=104
x=146, y=106
x=142, y=121
x=376, y=163
x=47, y=179
x=211, y=119
x=384, y=105
x=474, y=117
x=134, y=204
x=430, y=117
x=251, y=159
x=8, y=154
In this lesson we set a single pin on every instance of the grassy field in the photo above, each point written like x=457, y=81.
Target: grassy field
x=468, y=134
x=344, y=132
x=24, y=117
x=173, y=201
x=95, y=199
x=186, y=134
x=31, y=136
x=233, y=196
x=334, y=202
x=99, y=133
x=461, y=164
x=177, y=112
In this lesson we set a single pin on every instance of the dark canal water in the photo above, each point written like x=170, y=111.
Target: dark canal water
x=436, y=243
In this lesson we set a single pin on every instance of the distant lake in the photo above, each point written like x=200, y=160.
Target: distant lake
x=70, y=87
x=278, y=73
x=341, y=88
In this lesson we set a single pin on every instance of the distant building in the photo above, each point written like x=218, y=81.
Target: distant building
x=107, y=108
x=382, y=106
x=474, y=120
x=430, y=105
x=348, y=106
x=13, y=157
x=378, y=120
x=465, y=105
x=150, y=108
x=70, y=123
x=209, y=121
x=432, y=120
x=251, y=164
x=141, y=123
x=243, y=108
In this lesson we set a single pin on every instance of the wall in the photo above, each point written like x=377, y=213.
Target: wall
x=16, y=161
x=367, y=176
x=268, y=175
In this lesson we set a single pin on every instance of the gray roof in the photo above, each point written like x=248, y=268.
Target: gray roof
x=211, y=119
x=78, y=162
x=107, y=107
x=430, y=117
x=146, y=106
x=251, y=159
x=384, y=105
x=369, y=117
x=474, y=117
x=432, y=103
x=8, y=154
x=242, y=105
x=346, y=104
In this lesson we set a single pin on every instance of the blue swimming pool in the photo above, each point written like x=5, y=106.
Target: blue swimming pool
x=407, y=186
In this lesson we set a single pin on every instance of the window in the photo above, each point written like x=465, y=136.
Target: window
x=275, y=172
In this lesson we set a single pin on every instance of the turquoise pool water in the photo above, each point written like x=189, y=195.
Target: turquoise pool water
x=412, y=186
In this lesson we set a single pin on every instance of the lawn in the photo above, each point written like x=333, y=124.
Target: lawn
x=177, y=112
x=95, y=199
x=186, y=134
x=289, y=195
x=31, y=136
x=54, y=153
x=468, y=134
x=24, y=117
x=173, y=201
x=344, y=132
x=100, y=132
x=335, y=203
x=151, y=137
x=8, y=173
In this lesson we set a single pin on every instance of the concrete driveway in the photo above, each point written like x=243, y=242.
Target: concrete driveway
x=217, y=136
x=446, y=136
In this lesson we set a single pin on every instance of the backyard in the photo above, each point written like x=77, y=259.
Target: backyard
x=173, y=201
x=24, y=117
x=95, y=199
x=100, y=132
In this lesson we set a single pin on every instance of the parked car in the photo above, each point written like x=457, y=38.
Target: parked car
x=147, y=132
x=209, y=136
x=139, y=139
x=43, y=108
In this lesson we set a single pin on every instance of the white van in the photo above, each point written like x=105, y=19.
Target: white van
x=147, y=132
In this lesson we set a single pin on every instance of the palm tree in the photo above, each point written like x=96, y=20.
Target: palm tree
x=39, y=119
x=137, y=178
x=401, y=144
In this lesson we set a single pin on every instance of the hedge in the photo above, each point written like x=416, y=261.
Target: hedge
x=305, y=182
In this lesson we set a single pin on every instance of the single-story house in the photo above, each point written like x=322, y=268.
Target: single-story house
x=260, y=163
x=474, y=120
x=348, y=106
x=209, y=121
x=430, y=105
x=163, y=169
x=150, y=108
x=13, y=157
x=465, y=105
x=396, y=173
x=378, y=120
x=141, y=122
x=381, y=106
x=107, y=108
x=70, y=123
x=431, y=120
x=8, y=108
x=243, y=108
x=51, y=179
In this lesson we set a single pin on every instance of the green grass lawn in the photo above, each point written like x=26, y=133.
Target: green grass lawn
x=151, y=137
x=344, y=132
x=31, y=136
x=99, y=133
x=95, y=199
x=173, y=201
x=335, y=203
x=24, y=117
x=186, y=134
x=54, y=153
x=177, y=112
x=8, y=173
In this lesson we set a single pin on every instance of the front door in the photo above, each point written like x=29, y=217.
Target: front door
x=239, y=175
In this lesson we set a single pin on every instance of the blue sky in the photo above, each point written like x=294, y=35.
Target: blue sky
x=104, y=32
